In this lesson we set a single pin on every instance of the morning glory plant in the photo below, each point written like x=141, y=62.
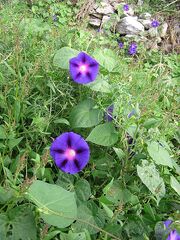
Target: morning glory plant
x=173, y=234
x=83, y=68
x=132, y=49
x=154, y=24
x=70, y=152
x=167, y=223
x=121, y=45
x=126, y=7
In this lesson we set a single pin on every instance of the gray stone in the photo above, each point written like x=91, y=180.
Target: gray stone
x=92, y=11
x=177, y=28
x=153, y=32
x=129, y=25
x=143, y=39
x=95, y=6
x=96, y=15
x=146, y=23
x=96, y=22
x=105, y=19
x=104, y=2
x=163, y=30
x=114, y=1
x=105, y=9
x=123, y=15
x=136, y=38
x=146, y=16
x=129, y=36
x=140, y=2
x=135, y=18
x=152, y=45
x=116, y=4
x=158, y=40
x=167, y=47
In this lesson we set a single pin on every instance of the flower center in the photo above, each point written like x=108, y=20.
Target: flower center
x=70, y=154
x=83, y=68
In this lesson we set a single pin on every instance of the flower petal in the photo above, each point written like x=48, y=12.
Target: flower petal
x=167, y=223
x=70, y=141
x=173, y=235
x=89, y=65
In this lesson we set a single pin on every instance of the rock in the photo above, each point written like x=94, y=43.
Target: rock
x=105, y=19
x=177, y=29
x=96, y=22
x=114, y=1
x=143, y=39
x=95, y=6
x=154, y=46
x=153, y=32
x=146, y=23
x=129, y=25
x=146, y=16
x=105, y=9
x=96, y=15
x=92, y=11
x=151, y=45
x=140, y=2
x=136, y=38
x=123, y=15
x=163, y=30
x=135, y=18
x=104, y=2
x=129, y=36
x=115, y=5
x=158, y=40
x=167, y=47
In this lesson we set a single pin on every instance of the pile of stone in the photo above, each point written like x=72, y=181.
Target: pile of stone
x=129, y=24
x=101, y=12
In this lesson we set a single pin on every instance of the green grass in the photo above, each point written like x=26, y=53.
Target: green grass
x=36, y=96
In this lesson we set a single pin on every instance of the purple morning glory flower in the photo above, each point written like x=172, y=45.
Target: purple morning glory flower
x=133, y=45
x=173, y=235
x=126, y=7
x=132, y=49
x=83, y=68
x=70, y=152
x=167, y=223
x=154, y=24
x=121, y=44
x=109, y=113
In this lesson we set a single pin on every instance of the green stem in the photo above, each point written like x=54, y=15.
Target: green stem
x=99, y=229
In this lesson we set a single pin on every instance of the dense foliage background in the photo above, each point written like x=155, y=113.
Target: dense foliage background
x=131, y=184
